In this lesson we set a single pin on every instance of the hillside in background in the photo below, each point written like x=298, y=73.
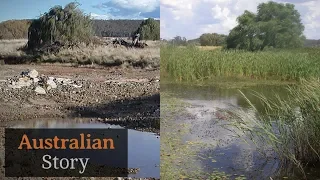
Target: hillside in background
x=18, y=29
x=115, y=28
x=14, y=29
x=194, y=41
x=312, y=43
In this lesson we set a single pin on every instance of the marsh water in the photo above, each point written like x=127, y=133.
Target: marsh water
x=226, y=152
x=143, y=147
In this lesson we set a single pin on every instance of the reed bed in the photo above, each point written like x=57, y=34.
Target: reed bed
x=290, y=127
x=192, y=64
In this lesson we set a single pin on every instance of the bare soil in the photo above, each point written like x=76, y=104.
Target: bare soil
x=124, y=96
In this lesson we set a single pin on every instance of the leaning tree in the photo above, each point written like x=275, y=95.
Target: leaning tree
x=68, y=25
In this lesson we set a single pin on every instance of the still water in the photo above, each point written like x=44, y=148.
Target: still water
x=228, y=153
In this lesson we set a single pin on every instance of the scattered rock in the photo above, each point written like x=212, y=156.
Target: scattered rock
x=35, y=80
x=28, y=78
x=40, y=90
x=77, y=86
x=33, y=73
x=51, y=84
x=22, y=82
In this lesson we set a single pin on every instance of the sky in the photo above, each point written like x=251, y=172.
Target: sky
x=98, y=9
x=186, y=18
x=191, y=18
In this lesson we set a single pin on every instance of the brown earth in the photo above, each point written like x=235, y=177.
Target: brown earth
x=125, y=96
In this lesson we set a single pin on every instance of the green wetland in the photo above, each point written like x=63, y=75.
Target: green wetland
x=261, y=120
x=193, y=64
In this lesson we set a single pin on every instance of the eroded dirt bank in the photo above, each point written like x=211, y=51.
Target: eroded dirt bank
x=124, y=96
x=129, y=97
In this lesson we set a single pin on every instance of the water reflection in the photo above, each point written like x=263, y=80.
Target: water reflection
x=227, y=152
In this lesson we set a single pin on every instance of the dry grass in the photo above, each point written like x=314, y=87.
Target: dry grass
x=9, y=47
x=205, y=48
x=102, y=54
x=208, y=48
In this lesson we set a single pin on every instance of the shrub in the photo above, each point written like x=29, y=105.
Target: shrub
x=67, y=25
x=149, y=29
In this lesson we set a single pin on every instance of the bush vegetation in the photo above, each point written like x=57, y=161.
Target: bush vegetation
x=206, y=39
x=178, y=41
x=149, y=29
x=212, y=39
x=18, y=29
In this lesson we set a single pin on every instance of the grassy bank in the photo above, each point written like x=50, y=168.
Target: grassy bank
x=193, y=64
x=290, y=127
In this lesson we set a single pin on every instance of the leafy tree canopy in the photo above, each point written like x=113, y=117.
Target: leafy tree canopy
x=178, y=40
x=212, y=39
x=67, y=25
x=275, y=25
x=149, y=30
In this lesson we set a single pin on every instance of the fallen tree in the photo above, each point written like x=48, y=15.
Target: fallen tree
x=59, y=28
x=122, y=42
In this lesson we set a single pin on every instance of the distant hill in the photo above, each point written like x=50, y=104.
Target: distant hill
x=18, y=29
x=115, y=28
x=312, y=43
x=14, y=29
x=194, y=41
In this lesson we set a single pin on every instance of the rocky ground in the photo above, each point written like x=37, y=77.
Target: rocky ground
x=129, y=97
x=124, y=96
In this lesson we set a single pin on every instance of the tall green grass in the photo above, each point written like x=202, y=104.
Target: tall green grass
x=193, y=64
x=290, y=127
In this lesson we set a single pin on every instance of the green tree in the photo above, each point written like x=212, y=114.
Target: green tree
x=212, y=39
x=67, y=25
x=178, y=40
x=246, y=34
x=149, y=30
x=275, y=25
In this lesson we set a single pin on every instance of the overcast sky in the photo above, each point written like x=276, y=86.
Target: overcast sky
x=191, y=18
x=99, y=9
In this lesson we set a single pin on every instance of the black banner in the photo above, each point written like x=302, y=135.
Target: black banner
x=66, y=152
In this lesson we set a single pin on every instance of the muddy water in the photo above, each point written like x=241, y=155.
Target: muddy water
x=144, y=147
x=226, y=152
